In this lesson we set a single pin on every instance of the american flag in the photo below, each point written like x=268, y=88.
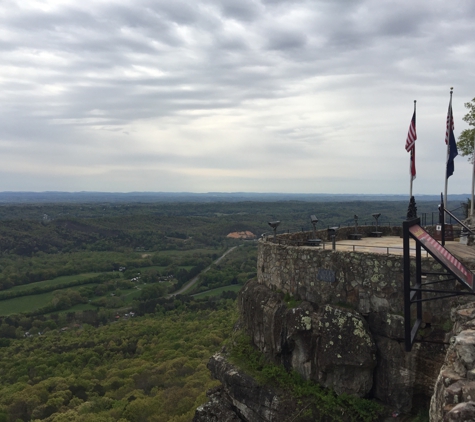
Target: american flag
x=411, y=134
x=411, y=145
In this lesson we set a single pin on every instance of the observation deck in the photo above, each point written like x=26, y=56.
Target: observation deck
x=390, y=243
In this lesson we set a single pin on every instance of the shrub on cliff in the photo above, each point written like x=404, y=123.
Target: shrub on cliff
x=314, y=401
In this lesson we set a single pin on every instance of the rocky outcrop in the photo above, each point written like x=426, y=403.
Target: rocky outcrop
x=241, y=398
x=336, y=318
x=454, y=391
x=339, y=348
x=369, y=285
x=327, y=344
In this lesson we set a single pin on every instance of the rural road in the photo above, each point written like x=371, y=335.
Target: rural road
x=195, y=279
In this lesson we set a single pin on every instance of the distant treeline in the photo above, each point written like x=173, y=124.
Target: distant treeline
x=161, y=197
x=54, y=228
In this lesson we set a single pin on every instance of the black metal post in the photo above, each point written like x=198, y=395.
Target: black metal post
x=407, y=286
x=442, y=218
x=412, y=209
x=418, y=286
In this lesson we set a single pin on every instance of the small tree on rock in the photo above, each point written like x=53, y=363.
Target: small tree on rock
x=465, y=141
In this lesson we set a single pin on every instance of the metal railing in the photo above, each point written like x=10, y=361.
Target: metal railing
x=327, y=245
x=348, y=225
x=353, y=248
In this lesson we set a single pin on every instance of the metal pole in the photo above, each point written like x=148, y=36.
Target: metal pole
x=407, y=287
x=418, y=283
x=412, y=156
x=442, y=219
x=449, y=114
x=473, y=175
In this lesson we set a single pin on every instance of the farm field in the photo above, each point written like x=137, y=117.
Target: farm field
x=24, y=304
x=53, y=282
x=218, y=291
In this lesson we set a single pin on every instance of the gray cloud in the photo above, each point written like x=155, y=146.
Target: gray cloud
x=253, y=90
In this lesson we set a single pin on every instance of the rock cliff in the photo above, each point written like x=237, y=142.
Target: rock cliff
x=329, y=345
x=336, y=318
x=240, y=397
x=454, y=391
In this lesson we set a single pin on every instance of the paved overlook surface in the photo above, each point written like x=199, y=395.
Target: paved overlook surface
x=394, y=245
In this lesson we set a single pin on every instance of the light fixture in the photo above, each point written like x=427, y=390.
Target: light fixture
x=274, y=225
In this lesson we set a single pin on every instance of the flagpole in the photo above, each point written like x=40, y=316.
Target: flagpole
x=448, y=152
x=473, y=175
x=410, y=162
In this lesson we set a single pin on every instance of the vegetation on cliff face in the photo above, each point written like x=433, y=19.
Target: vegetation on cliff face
x=315, y=402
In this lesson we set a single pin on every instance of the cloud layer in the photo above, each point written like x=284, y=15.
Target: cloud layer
x=217, y=95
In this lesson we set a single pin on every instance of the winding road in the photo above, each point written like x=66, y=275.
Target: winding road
x=195, y=279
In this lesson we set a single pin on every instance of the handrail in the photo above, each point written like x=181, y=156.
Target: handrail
x=344, y=225
x=458, y=221
x=343, y=247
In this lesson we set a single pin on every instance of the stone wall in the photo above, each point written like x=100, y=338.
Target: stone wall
x=343, y=325
x=365, y=282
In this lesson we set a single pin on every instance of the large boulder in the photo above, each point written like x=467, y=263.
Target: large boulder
x=454, y=391
x=328, y=344
x=240, y=397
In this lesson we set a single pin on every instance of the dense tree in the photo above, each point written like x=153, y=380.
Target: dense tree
x=140, y=369
x=466, y=138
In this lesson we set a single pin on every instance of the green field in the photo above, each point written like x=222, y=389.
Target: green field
x=55, y=281
x=191, y=252
x=160, y=268
x=88, y=264
x=32, y=302
x=130, y=295
x=24, y=304
x=78, y=308
x=35, y=301
x=218, y=291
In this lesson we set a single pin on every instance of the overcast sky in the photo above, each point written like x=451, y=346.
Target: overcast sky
x=232, y=95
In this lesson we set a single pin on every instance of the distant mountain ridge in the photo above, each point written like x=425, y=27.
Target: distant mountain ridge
x=151, y=197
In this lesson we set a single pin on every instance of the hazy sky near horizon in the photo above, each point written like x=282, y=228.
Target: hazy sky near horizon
x=224, y=95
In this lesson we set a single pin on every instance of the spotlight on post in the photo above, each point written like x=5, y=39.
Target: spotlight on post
x=274, y=225
x=314, y=241
x=355, y=235
x=332, y=236
x=314, y=221
x=376, y=233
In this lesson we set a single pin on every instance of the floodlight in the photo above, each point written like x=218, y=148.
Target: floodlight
x=355, y=235
x=274, y=225
x=376, y=233
x=332, y=236
x=314, y=221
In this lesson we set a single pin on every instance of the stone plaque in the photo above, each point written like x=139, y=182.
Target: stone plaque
x=326, y=275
